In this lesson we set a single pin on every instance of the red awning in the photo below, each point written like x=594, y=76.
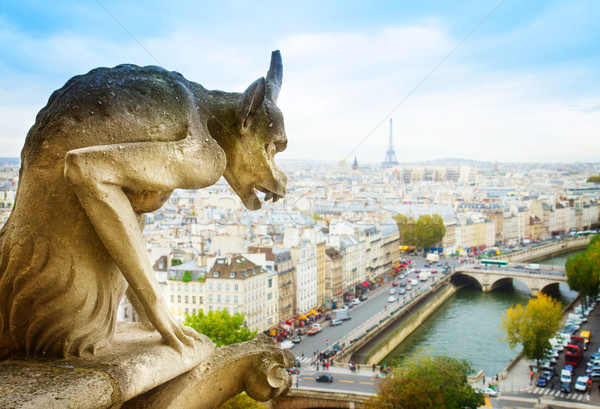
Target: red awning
x=366, y=283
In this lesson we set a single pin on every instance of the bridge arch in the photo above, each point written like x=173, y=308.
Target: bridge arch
x=490, y=280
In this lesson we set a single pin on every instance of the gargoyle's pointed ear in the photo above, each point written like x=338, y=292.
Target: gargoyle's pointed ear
x=274, y=77
x=252, y=99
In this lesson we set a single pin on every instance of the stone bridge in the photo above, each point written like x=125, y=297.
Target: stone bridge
x=312, y=399
x=490, y=278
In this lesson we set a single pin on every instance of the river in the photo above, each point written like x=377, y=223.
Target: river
x=467, y=326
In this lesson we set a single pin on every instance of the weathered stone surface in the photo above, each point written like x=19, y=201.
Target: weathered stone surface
x=108, y=147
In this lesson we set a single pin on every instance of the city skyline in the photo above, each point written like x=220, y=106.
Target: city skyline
x=486, y=81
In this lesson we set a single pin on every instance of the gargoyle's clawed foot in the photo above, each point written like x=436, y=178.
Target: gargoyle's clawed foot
x=269, y=378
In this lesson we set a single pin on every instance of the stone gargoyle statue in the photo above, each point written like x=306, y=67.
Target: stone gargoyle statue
x=108, y=147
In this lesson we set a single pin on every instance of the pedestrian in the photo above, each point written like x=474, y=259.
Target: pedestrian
x=317, y=365
x=358, y=368
x=302, y=354
x=374, y=367
x=551, y=386
x=483, y=380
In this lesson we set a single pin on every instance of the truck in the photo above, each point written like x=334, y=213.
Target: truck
x=433, y=257
x=574, y=351
x=424, y=275
x=341, y=314
x=566, y=374
x=533, y=266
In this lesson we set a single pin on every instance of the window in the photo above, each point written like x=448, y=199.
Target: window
x=270, y=283
x=193, y=299
x=270, y=296
x=178, y=298
x=235, y=299
x=178, y=286
x=172, y=298
x=201, y=300
x=187, y=311
x=210, y=297
x=227, y=299
x=186, y=299
x=218, y=297
x=235, y=287
x=226, y=287
x=172, y=286
x=210, y=286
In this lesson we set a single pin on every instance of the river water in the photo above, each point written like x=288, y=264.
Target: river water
x=467, y=326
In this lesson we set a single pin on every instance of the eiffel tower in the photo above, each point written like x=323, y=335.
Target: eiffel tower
x=390, y=155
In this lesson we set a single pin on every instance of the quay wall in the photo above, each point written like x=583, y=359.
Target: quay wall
x=545, y=251
x=416, y=319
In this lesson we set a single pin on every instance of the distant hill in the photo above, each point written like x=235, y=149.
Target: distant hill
x=10, y=161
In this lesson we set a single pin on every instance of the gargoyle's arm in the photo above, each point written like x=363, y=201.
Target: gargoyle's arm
x=99, y=175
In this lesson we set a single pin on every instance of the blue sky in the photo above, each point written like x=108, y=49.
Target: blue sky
x=524, y=86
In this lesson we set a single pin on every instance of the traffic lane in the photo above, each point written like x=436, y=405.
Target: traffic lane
x=345, y=382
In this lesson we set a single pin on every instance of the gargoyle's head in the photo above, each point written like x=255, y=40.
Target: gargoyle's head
x=253, y=138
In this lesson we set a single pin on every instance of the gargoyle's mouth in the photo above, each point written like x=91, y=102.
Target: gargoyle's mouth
x=269, y=195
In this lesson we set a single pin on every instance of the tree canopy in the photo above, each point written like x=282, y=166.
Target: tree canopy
x=533, y=326
x=593, y=179
x=427, y=381
x=424, y=232
x=583, y=270
x=220, y=327
x=224, y=329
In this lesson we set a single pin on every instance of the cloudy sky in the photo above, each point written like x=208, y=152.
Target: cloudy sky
x=507, y=81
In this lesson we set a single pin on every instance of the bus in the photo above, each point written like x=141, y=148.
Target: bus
x=489, y=262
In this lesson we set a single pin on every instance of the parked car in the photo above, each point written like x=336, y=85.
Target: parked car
x=296, y=339
x=391, y=298
x=355, y=301
x=545, y=378
x=362, y=297
x=324, y=378
x=312, y=331
x=488, y=392
x=286, y=344
x=394, y=284
x=349, y=305
x=293, y=370
x=335, y=323
x=581, y=384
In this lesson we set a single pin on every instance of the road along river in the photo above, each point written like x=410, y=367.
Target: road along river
x=467, y=325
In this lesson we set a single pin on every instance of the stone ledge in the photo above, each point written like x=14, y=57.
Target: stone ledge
x=135, y=363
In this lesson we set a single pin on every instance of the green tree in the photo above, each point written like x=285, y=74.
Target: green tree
x=225, y=329
x=427, y=381
x=187, y=276
x=593, y=179
x=220, y=327
x=423, y=233
x=242, y=401
x=583, y=270
x=533, y=326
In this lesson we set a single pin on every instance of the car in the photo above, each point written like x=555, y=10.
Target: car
x=312, y=331
x=403, y=284
x=286, y=344
x=488, y=392
x=293, y=371
x=317, y=326
x=391, y=298
x=581, y=384
x=408, y=287
x=335, y=323
x=394, y=284
x=355, y=301
x=565, y=387
x=433, y=271
x=324, y=378
x=594, y=376
x=545, y=377
x=402, y=291
x=362, y=297
x=392, y=291
x=296, y=339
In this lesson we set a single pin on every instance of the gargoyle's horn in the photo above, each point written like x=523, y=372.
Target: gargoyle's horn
x=274, y=77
